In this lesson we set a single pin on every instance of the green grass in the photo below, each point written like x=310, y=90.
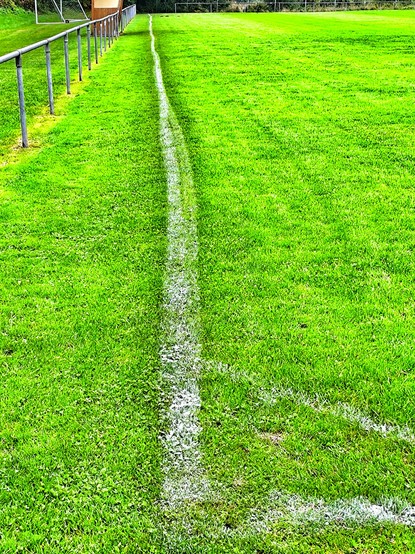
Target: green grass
x=16, y=31
x=82, y=246
x=300, y=130
x=300, y=134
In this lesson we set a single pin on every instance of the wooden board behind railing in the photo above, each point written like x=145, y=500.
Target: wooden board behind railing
x=101, y=8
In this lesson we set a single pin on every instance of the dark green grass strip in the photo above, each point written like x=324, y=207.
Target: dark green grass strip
x=300, y=132
x=82, y=244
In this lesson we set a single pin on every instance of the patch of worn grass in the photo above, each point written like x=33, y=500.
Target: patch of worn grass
x=82, y=247
x=300, y=131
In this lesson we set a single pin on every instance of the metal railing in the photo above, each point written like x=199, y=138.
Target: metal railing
x=102, y=32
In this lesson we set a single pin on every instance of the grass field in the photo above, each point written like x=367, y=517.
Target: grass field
x=16, y=31
x=299, y=130
x=82, y=219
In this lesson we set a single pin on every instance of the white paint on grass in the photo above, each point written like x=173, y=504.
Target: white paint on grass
x=180, y=353
x=317, y=403
x=297, y=510
x=341, y=410
x=184, y=476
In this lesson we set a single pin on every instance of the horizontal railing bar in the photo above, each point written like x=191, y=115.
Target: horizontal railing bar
x=113, y=22
x=36, y=45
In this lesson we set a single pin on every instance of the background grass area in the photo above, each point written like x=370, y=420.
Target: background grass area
x=82, y=249
x=300, y=130
x=18, y=30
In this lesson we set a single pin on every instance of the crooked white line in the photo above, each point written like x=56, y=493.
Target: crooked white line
x=341, y=410
x=184, y=476
x=319, y=404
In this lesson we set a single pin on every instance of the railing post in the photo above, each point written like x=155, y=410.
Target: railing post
x=95, y=43
x=100, y=38
x=22, y=107
x=67, y=70
x=78, y=33
x=88, y=43
x=49, y=79
x=113, y=25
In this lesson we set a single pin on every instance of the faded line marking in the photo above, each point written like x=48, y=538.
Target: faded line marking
x=341, y=410
x=184, y=475
x=318, y=404
x=319, y=513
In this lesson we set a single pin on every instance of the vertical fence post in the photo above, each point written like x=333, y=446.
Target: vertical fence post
x=100, y=37
x=78, y=33
x=22, y=107
x=67, y=70
x=88, y=44
x=113, y=27
x=49, y=79
x=95, y=43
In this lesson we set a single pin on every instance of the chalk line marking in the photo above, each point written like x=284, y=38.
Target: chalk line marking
x=316, y=512
x=340, y=410
x=319, y=404
x=180, y=353
x=308, y=512
x=184, y=475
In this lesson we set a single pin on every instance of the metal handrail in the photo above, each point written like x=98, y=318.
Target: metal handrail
x=105, y=30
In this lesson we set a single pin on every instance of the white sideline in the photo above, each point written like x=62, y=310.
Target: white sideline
x=184, y=475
